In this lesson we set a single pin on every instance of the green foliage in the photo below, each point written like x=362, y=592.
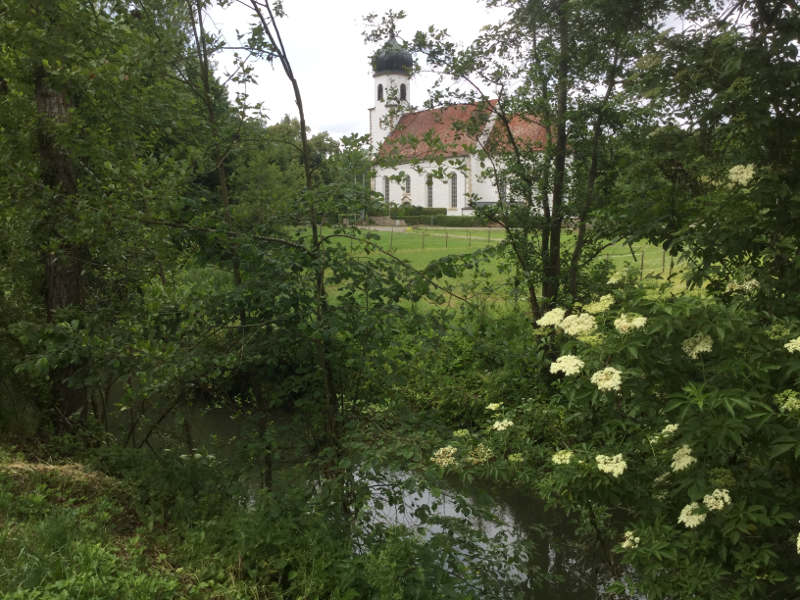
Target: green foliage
x=724, y=395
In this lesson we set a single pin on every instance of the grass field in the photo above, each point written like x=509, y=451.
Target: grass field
x=421, y=245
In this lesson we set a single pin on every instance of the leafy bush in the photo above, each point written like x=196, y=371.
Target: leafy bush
x=670, y=433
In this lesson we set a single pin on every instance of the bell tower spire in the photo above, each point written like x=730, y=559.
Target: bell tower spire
x=392, y=66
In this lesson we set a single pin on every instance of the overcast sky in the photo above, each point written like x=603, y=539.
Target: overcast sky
x=330, y=59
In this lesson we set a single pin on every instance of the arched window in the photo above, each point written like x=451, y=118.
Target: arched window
x=386, y=189
x=402, y=91
x=429, y=183
x=453, y=190
x=407, y=186
x=380, y=92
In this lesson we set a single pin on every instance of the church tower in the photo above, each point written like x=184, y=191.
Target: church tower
x=392, y=66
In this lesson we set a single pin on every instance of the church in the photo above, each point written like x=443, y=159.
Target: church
x=441, y=157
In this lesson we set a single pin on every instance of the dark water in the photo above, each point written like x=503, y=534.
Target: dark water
x=542, y=560
x=536, y=548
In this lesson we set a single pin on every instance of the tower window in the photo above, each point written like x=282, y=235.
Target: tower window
x=407, y=186
x=453, y=190
x=402, y=91
x=380, y=92
x=502, y=187
x=386, y=189
x=429, y=183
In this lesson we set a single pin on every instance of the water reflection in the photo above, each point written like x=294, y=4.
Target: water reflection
x=535, y=546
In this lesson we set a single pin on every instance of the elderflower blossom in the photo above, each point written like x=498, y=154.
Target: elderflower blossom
x=615, y=278
x=743, y=287
x=599, y=306
x=502, y=425
x=569, y=364
x=717, y=500
x=682, y=459
x=613, y=465
x=552, y=317
x=494, y=406
x=461, y=433
x=480, y=454
x=669, y=429
x=516, y=457
x=607, y=379
x=789, y=401
x=631, y=540
x=629, y=321
x=793, y=345
x=741, y=174
x=698, y=344
x=562, y=457
x=690, y=515
x=576, y=325
x=445, y=457
x=798, y=543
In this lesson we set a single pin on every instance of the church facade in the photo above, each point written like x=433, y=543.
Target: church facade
x=435, y=158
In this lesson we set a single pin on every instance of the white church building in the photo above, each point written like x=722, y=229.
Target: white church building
x=431, y=157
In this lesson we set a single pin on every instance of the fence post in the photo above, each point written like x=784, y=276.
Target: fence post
x=391, y=238
x=423, y=239
x=445, y=238
x=641, y=268
x=469, y=239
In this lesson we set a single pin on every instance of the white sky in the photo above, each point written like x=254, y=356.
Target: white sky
x=330, y=59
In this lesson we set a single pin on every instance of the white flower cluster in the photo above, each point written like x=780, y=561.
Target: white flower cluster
x=717, y=500
x=461, y=433
x=798, y=543
x=502, y=425
x=789, y=401
x=741, y=174
x=668, y=431
x=569, y=364
x=445, y=457
x=600, y=306
x=692, y=515
x=793, y=345
x=613, y=465
x=615, y=278
x=516, y=457
x=575, y=325
x=607, y=379
x=494, y=406
x=697, y=344
x=480, y=454
x=631, y=540
x=562, y=457
x=629, y=322
x=552, y=317
x=682, y=459
x=743, y=287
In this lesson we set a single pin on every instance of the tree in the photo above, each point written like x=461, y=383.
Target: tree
x=714, y=177
x=558, y=66
x=86, y=158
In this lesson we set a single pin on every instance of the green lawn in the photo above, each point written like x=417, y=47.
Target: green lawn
x=419, y=246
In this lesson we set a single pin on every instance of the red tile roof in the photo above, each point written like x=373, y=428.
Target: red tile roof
x=526, y=131
x=436, y=133
x=455, y=131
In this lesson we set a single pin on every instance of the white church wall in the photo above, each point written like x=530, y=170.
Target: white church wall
x=441, y=188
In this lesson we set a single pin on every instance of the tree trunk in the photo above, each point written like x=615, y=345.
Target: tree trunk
x=551, y=270
x=63, y=263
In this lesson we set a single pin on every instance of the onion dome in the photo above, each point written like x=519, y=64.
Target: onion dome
x=392, y=58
